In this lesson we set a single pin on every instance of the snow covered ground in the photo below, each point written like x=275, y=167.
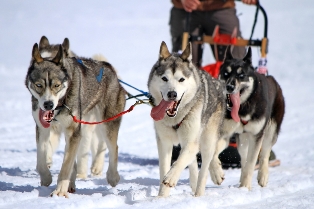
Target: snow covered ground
x=129, y=36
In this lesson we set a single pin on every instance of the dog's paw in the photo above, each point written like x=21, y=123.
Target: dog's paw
x=245, y=183
x=193, y=185
x=62, y=189
x=96, y=170
x=113, y=178
x=164, y=191
x=262, y=179
x=81, y=175
x=171, y=178
x=45, y=180
x=71, y=188
x=199, y=192
x=216, y=173
x=45, y=175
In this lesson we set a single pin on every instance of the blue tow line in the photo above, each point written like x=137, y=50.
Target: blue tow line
x=143, y=92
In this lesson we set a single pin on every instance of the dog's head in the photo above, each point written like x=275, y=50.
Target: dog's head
x=47, y=80
x=50, y=50
x=171, y=81
x=236, y=72
x=237, y=75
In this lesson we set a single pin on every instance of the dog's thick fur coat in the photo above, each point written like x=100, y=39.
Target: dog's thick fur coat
x=194, y=106
x=256, y=110
x=95, y=144
x=92, y=91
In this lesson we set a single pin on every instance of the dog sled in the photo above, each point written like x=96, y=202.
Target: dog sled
x=230, y=40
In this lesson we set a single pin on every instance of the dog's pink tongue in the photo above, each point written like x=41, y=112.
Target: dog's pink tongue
x=235, y=99
x=159, y=111
x=43, y=114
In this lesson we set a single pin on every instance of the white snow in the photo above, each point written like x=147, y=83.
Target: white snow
x=129, y=34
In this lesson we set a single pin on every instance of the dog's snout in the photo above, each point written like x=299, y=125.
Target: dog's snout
x=48, y=105
x=230, y=88
x=172, y=95
x=230, y=85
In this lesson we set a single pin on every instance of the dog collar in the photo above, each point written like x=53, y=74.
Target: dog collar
x=176, y=127
x=244, y=122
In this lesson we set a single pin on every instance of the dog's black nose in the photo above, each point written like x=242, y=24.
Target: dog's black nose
x=172, y=95
x=230, y=88
x=48, y=105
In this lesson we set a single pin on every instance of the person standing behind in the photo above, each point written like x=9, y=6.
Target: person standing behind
x=204, y=16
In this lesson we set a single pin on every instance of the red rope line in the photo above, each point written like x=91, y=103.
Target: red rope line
x=107, y=120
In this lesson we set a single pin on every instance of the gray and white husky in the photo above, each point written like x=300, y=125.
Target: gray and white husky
x=91, y=90
x=94, y=144
x=256, y=108
x=189, y=109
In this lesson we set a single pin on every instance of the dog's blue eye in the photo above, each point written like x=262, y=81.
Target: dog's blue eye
x=226, y=74
x=181, y=80
x=164, y=79
x=241, y=76
x=39, y=85
x=57, y=85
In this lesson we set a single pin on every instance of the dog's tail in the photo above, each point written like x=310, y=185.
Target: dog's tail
x=102, y=58
x=99, y=57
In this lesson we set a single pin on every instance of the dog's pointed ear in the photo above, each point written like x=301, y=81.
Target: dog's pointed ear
x=66, y=46
x=164, y=52
x=36, y=54
x=187, y=53
x=58, y=58
x=248, y=56
x=228, y=54
x=43, y=42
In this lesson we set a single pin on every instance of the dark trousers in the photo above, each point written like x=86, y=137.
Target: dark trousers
x=204, y=23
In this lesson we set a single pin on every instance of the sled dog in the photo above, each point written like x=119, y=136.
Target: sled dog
x=94, y=144
x=89, y=90
x=255, y=110
x=189, y=109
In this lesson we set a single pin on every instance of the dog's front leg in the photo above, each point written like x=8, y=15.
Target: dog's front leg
x=83, y=152
x=269, y=139
x=193, y=172
x=215, y=168
x=42, y=142
x=189, y=139
x=208, y=142
x=54, y=139
x=165, y=145
x=98, y=148
x=253, y=151
x=66, y=174
x=242, y=146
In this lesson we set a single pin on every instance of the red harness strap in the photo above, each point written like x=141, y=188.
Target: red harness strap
x=244, y=122
x=109, y=119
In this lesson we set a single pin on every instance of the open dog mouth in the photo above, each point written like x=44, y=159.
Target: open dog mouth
x=172, y=108
x=45, y=117
x=165, y=107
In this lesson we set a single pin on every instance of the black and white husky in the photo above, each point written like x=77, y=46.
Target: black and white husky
x=255, y=110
